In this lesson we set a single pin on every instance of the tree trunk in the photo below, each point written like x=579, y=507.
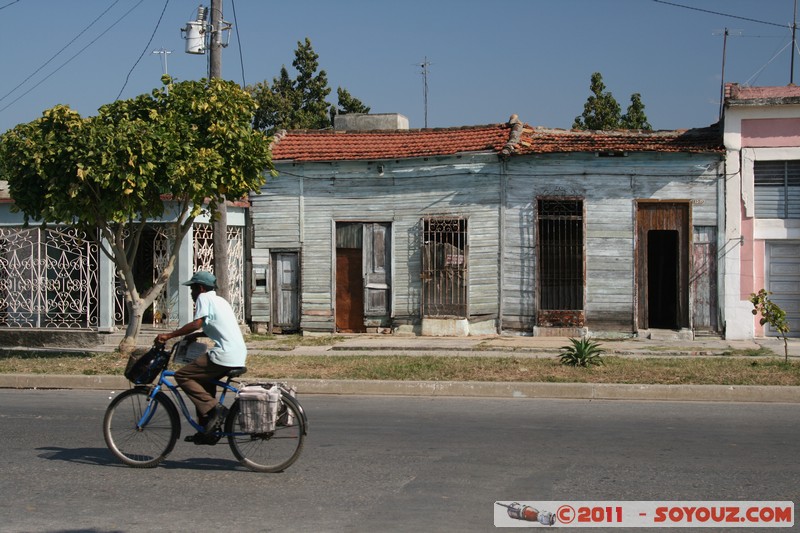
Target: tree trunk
x=136, y=314
x=786, y=349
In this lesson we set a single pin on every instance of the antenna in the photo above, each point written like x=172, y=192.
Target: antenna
x=425, y=64
x=725, y=33
x=164, y=53
x=794, y=44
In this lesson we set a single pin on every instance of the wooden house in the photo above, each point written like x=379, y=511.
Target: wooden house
x=502, y=228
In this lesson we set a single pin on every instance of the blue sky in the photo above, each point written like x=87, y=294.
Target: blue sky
x=488, y=59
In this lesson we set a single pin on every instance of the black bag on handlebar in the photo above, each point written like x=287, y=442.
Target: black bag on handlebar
x=143, y=368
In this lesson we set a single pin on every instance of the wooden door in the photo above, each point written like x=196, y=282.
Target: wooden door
x=349, y=291
x=704, y=279
x=377, y=269
x=286, y=301
x=662, y=264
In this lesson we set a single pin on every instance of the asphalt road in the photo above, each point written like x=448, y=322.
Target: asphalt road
x=385, y=464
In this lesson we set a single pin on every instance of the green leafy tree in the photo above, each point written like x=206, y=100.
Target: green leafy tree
x=634, y=118
x=602, y=111
x=771, y=314
x=300, y=103
x=167, y=156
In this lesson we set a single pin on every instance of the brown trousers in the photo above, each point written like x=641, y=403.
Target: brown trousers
x=195, y=380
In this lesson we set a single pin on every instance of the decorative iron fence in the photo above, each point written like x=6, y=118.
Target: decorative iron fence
x=48, y=278
x=156, y=252
x=204, y=260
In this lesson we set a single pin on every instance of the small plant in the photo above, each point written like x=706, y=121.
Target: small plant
x=583, y=352
x=771, y=314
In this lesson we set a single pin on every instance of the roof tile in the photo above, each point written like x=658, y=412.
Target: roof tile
x=501, y=139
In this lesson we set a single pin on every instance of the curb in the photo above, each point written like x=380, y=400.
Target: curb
x=573, y=391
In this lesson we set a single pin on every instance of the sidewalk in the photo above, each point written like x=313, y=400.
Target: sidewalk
x=495, y=346
x=520, y=346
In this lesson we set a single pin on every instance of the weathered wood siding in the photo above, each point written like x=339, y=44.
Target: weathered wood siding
x=299, y=209
x=274, y=217
x=609, y=187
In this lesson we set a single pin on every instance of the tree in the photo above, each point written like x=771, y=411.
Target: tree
x=634, y=118
x=772, y=314
x=602, y=111
x=167, y=155
x=349, y=104
x=300, y=103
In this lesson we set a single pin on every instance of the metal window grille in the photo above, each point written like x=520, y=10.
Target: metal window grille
x=444, y=267
x=560, y=240
x=777, y=189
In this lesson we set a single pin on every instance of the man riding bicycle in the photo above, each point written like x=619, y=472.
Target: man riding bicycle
x=218, y=322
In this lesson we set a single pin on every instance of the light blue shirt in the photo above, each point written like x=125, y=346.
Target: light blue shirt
x=221, y=326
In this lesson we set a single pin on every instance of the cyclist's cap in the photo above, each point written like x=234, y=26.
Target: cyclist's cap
x=207, y=279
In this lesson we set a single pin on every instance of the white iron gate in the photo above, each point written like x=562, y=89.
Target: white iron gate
x=156, y=251
x=48, y=278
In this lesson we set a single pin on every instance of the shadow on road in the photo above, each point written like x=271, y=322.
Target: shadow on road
x=103, y=457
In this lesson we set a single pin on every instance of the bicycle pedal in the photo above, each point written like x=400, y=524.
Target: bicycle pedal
x=201, y=439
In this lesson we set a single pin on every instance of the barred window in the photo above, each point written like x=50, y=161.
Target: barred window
x=444, y=267
x=560, y=240
x=777, y=189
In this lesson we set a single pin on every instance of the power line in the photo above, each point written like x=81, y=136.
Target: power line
x=238, y=41
x=759, y=71
x=723, y=14
x=73, y=57
x=147, y=46
x=59, y=52
x=8, y=4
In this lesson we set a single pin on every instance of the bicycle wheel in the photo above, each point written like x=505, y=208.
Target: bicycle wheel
x=146, y=446
x=273, y=451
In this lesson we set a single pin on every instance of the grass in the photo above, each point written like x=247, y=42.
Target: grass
x=289, y=342
x=645, y=370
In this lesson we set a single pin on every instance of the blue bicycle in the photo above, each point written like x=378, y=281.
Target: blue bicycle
x=141, y=425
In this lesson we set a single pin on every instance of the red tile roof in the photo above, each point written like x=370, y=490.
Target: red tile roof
x=332, y=145
x=502, y=139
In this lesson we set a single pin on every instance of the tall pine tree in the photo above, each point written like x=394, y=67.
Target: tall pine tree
x=602, y=111
x=634, y=118
x=300, y=103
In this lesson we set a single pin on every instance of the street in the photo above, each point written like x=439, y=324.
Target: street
x=392, y=463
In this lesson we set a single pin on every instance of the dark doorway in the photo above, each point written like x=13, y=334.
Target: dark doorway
x=662, y=278
x=663, y=243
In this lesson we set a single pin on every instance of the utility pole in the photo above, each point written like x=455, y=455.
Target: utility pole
x=220, y=222
x=425, y=66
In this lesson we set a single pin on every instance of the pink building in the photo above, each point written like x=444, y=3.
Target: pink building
x=761, y=243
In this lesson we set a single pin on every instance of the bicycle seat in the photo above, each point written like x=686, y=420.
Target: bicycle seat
x=236, y=371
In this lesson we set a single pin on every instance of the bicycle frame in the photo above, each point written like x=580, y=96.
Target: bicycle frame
x=173, y=388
